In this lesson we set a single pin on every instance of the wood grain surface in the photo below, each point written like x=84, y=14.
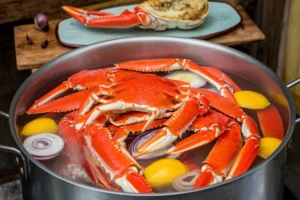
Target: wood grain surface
x=33, y=56
x=292, y=58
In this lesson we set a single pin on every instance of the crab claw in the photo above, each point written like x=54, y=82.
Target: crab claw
x=220, y=158
x=96, y=19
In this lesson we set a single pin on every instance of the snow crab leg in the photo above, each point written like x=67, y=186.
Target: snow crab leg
x=86, y=79
x=115, y=161
x=96, y=19
x=218, y=162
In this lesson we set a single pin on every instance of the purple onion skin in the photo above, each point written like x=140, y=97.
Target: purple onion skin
x=41, y=22
x=29, y=41
x=44, y=44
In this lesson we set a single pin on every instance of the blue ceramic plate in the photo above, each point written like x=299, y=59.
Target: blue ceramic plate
x=221, y=18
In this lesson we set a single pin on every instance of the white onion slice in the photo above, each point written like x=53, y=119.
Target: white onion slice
x=181, y=184
x=194, y=79
x=44, y=146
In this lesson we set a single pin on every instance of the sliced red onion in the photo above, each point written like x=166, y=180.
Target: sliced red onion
x=141, y=139
x=44, y=146
x=186, y=181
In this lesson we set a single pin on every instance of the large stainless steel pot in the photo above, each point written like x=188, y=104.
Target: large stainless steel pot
x=264, y=181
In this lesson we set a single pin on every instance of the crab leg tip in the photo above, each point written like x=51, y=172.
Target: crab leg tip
x=138, y=182
x=204, y=179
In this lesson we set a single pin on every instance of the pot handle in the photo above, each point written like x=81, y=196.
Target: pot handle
x=24, y=163
x=290, y=85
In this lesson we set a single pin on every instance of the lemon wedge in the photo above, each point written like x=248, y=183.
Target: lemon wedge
x=40, y=125
x=267, y=146
x=163, y=171
x=194, y=79
x=251, y=100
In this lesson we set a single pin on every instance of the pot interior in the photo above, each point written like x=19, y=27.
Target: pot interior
x=240, y=67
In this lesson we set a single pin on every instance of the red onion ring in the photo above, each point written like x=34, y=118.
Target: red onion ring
x=142, y=138
x=44, y=146
x=186, y=181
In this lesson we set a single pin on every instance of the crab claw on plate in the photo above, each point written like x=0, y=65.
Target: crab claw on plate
x=151, y=14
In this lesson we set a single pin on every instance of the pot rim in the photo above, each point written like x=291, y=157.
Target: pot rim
x=204, y=43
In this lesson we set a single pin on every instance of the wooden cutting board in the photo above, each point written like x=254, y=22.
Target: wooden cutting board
x=33, y=56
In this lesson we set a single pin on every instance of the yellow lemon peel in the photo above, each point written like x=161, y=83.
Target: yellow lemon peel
x=40, y=125
x=251, y=100
x=267, y=146
x=163, y=171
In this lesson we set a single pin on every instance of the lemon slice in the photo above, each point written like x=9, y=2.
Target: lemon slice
x=251, y=100
x=40, y=125
x=194, y=79
x=267, y=146
x=163, y=171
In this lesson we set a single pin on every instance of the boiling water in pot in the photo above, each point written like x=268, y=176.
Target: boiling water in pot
x=71, y=162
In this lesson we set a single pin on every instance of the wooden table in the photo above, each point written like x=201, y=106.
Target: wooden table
x=33, y=56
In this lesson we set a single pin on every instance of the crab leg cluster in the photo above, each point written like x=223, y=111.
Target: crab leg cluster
x=125, y=99
x=121, y=167
x=104, y=156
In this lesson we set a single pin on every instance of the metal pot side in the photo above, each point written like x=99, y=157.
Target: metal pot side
x=264, y=181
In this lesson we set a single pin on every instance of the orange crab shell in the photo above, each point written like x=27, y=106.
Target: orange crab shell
x=147, y=89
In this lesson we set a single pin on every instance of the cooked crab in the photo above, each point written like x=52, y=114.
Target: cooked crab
x=151, y=14
x=123, y=91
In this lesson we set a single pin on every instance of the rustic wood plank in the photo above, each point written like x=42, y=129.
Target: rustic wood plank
x=29, y=57
x=292, y=59
x=33, y=56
